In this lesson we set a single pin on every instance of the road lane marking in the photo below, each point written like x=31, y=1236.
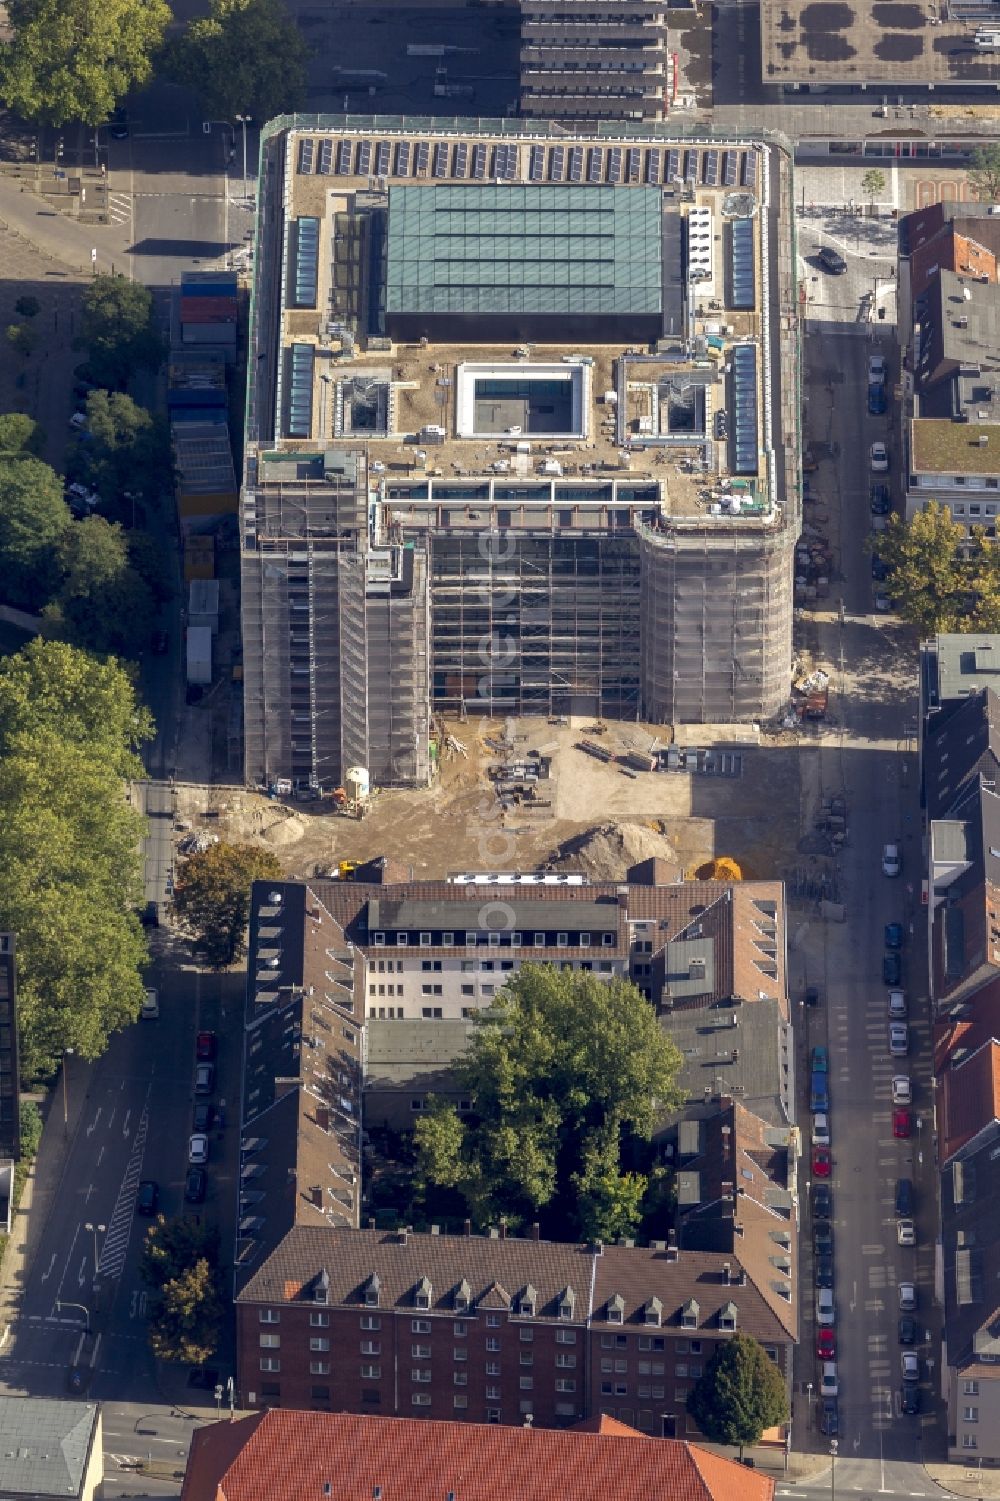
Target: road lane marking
x=48, y=1274
x=93, y=1125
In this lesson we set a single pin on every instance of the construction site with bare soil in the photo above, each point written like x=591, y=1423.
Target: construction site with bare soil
x=528, y=794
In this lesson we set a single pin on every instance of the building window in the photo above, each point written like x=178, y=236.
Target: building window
x=468, y=990
x=539, y=940
x=565, y=1384
x=316, y=1343
x=420, y=1352
x=420, y=1326
x=420, y=1375
x=565, y=1362
x=270, y=1388
x=269, y=1316
x=321, y=1393
x=319, y=1320
x=565, y=1336
x=270, y=1342
x=421, y=1399
x=526, y=1336
x=425, y=940
x=527, y=1358
x=432, y=1013
x=461, y=1378
x=493, y=1321
x=493, y=1414
x=368, y=1320
x=371, y=1347
x=492, y=1368
x=969, y=1441
x=970, y=1388
x=417, y=1103
x=270, y=1363
x=970, y=1414
x=460, y=1353
x=401, y=940
x=460, y=1328
x=447, y=940
x=562, y=940
x=319, y=1368
x=493, y=1344
x=371, y=1373
x=470, y=940
x=527, y=1383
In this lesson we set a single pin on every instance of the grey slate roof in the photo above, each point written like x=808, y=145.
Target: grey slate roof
x=45, y=1445
x=760, y=1073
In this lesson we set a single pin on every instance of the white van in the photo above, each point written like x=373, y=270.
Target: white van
x=150, y=1006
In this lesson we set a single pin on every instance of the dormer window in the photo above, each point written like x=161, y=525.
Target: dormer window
x=494, y=940
x=321, y=1287
x=379, y=940
x=373, y=1291
x=652, y=1314
x=401, y=940
x=727, y=1317
x=470, y=940
x=422, y=1296
x=608, y=940
x=566, y=1303
x=462, y=1297
x=539, y=940
x=528, y=1302
x=616, y=1309
x=585, y=940
x=689, y=1314
x=447, y=940
x=425, y=940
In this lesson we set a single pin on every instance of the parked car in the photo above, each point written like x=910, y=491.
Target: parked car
x=880, y=569
x=902, y=1124
x=906, y=1232
x=821, y=1130
x=823, y=1239
x=892, y=968
x=820, y=1060
x=879, y=458
x=879, y=500
x=204, y=1078
x=894, y=935
x=907, y=1297
x=907, y=1330
x=204, y=1116
x=194, y=1185
x=876, y=369
x=205, y=1047
x=826, y=1344
x=882, y=602
x=897, y=1005
x=822, y=1163
x=198, y=1149
x=150, y=1006
x=822, y=1202
x=826, y=1308
x=909, y=1401
x=902, y=1090
x=910, y=1365
x=819, y=1094
x=823, y=1271
x=876, y=398
x=828, y=1386
x=831, y=260
x=891, y=862
x=904, y=1196
x=829, y=1417
x=899, y=1039
x=148, y=1198
x=811, y=996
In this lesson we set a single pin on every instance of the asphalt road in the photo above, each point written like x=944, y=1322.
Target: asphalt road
x=873, y=765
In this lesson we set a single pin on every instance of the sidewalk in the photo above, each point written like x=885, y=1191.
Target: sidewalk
x=61, y=237
x=42, y=1188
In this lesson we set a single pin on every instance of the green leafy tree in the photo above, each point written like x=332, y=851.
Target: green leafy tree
x=984, y=173
x=153, y=565
x=74, y=60
x=212, y=897
x=741, y=1393
x=28, y=307
x=70, y=862
x=929, y=582
x=563, y=1070
x=101, y=603
x=247, y=57
x=22, y=338
x=128, y=458
x=33, y=518
x=20, y=436
x=872, y=184
x=118, y=331
x=180, y=1264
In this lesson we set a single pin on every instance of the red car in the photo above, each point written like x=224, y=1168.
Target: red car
x=826, y=1344
x=822, y=1162
x=900, y=1123
x=205, y=1047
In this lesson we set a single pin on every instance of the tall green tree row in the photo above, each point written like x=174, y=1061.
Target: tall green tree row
x=70, y=862
x=566, y=1071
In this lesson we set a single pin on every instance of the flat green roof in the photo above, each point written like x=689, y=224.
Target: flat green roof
x=532, y=249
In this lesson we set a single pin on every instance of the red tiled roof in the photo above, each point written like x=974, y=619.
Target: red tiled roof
x=285, y=1456
x=980, y=1020
x=970, y=1099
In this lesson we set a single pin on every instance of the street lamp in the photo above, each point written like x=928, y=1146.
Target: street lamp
x=95, y=1231
x=67, y=1054
x=833, y=1469
x=244, y=121
x=809, y=1410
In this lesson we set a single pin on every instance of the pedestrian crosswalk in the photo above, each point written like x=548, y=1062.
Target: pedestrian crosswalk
x=119, y=208
x=115, y=1248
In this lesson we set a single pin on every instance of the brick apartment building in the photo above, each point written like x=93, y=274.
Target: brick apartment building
x=492, y=1329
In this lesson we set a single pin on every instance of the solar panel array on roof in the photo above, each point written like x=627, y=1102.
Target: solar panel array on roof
x=576, y=164
x=479, y=162
x=710, y=169
x=744, y=395
x=536, y=163
x=383, y=156
x=306, y=261
x=364, y=158
x=672, y=170
x=306, y=149
x=633, y=164
x=652, y=166
x=460, y=161
x=615, y=164
x=300, y=389
x=422, y=159
x=344, y=154
x=730, y=168
x=595, y=164
x=748, y=173
x=441, y=154
x=325, y=164
x=690, y=166
x=741, y=245
x=402, y=158
x=505, y=163
x=557, y=164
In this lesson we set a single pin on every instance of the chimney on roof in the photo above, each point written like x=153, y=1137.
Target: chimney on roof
x=672, y=1252
x=316, y=1195
x=323, y=1117
x=727, y=1273
x=371, y=1222
x=536, y=1230
x=528, y=1419
x=503, y=1228
x=468, y=1227
x=435, y=1229
x=403, y=1235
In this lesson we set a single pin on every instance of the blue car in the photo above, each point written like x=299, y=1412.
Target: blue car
x=892, y=967
x=894, y=935
x=876, y=399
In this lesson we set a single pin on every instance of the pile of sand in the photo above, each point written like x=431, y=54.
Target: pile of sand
x=288, y=830
x=606, y=852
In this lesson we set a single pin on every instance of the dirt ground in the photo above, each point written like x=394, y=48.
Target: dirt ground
x=458, y=825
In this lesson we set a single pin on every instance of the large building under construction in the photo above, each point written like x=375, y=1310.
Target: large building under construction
x=520, y=436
